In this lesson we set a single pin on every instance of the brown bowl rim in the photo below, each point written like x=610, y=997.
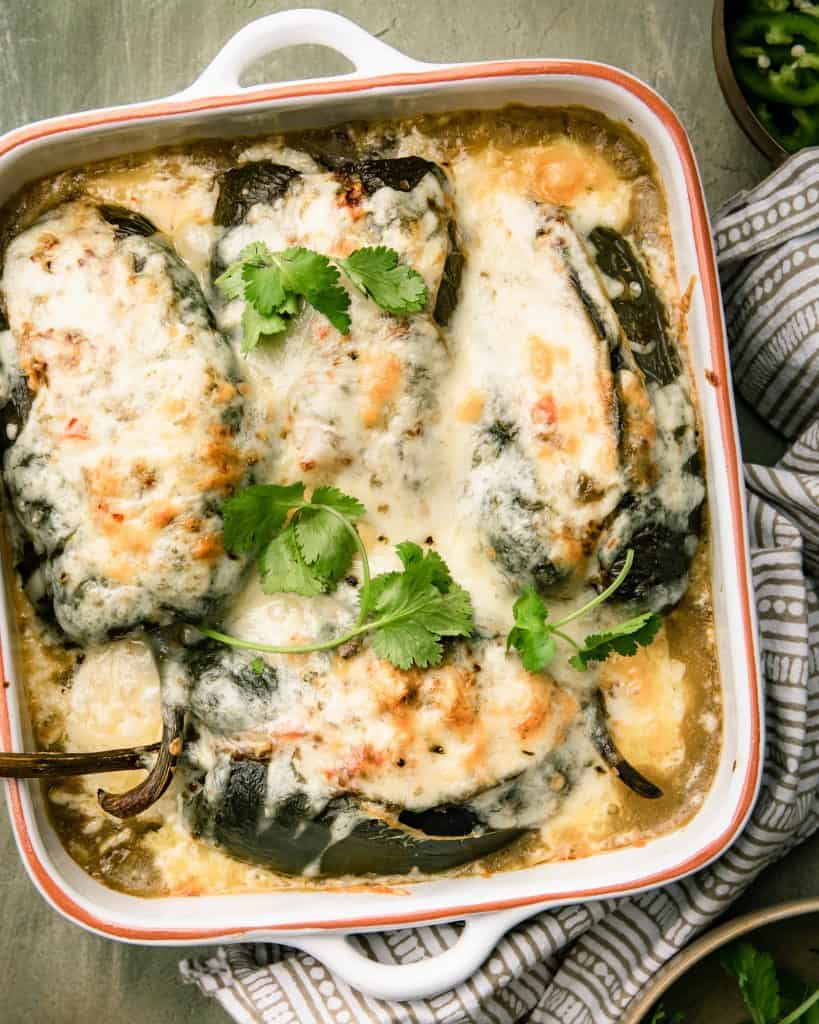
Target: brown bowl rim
x=711, y=941
x=734, y=97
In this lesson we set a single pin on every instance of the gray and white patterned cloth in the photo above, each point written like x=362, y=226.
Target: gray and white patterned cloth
x=584, y=964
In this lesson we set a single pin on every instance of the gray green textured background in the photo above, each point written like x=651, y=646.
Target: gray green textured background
x=58, y=56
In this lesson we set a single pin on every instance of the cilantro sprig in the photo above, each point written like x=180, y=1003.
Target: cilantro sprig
x=309, y=554
x=274, y=286
x=377, y=273
x=770, y=996
x=766, y=994
x=306, y=546
x=533, y=636
x=756, y=976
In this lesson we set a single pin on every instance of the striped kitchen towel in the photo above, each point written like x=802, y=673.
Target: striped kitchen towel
x=584, y=964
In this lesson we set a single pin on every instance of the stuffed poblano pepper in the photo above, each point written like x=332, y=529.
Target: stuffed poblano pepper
x=587, y=444
x=361, y=394
x=551, y=442
x=337, y=766
x=130, y=434
x=661, y=522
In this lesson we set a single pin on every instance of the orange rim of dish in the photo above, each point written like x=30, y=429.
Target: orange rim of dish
x=720, y=378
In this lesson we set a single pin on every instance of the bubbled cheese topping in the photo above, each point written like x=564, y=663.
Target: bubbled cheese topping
x=131, y=442
x=435, y=429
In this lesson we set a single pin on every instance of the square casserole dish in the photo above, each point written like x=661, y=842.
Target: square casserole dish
x=386, y=84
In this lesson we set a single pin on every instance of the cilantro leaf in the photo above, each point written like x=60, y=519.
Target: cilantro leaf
x=410, y=614
x=407, y=644
x=316, y=548
x=255, y=252
x=274, y=283
x=284, y=569
x=448, y=614
x=264, y=289
x=255, y=327
x=624, y=638
x=351, y=508
x=394, y=287
x=434, y=566
x=530, y=635
x=400, y=594
x=312, y=275
x=256, y=514
x=232, y=282
x=326, y=543
x=291, y=306
x=534, y=637
x=429, y=567
x=372, y=594
x=756, y=976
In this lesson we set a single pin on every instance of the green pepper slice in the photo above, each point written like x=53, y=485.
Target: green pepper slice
x=788, y=43
x=794, y=128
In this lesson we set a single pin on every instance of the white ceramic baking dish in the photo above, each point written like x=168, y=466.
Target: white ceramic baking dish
x=386, y=83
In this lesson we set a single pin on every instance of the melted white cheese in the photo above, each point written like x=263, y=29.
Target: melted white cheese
x=129, y=447
x=519, y=340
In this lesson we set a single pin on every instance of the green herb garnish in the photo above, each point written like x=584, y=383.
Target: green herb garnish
x=756, y=975
x=767, y=995
x=770, y=997
x=309, y=555
x=274, y=286
x=378, y=274
x=305, y=546
x=660, y=1016
x=534, y=637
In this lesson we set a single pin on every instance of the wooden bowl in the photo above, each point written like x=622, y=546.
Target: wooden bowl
x=788, y=931
x=734, y=96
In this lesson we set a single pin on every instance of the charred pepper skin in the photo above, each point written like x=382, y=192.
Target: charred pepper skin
x=240, y=188
x=294, y=839
x=639, y=309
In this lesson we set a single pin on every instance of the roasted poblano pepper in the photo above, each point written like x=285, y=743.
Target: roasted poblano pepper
x=663, y=536
x=652, y=424
x=638, y=307
x=264, y=181
x=527, y=507
x=343, y=838
x=247, y=789
x=82, y=512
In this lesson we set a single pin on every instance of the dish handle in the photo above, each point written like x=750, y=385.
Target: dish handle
x=401, y=982
x=369, y=55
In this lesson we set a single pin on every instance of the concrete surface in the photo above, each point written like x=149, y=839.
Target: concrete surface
x=58, y=56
